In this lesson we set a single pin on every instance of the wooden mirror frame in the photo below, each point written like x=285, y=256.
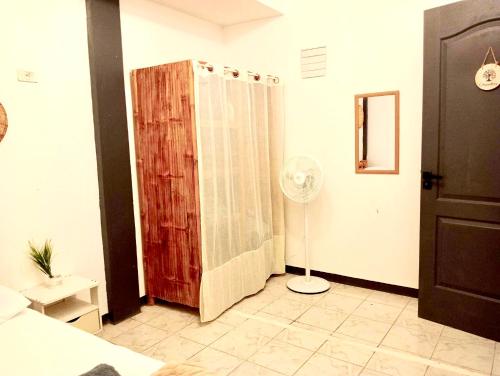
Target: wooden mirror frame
x=358, y=170
x=3, y=122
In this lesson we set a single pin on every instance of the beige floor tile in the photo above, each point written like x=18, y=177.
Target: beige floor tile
x=323, y=318
x=337, y=302
x=496, y=364
x=174, y=334
x=414, y=341
x=251, y=369
x=281, y=357
x=185, y=310
x=273, y=318
x=364, y=329
x=395, y=366
x=204, y=333
x=147, y=313
x=244, y=340
x=172, y=320
x=378, y=311
x=305, y=336
x=140, y=338
x=263, y=297
x=473, y=353
x=389, y=299
x=151, y=308
x=127, y=324
x=174, y=349
x=304, y=298
x=241, y=343
x=323, y=365
x=246, y=307
x=409, y=319
x=110, y=331
x=433, y=371
x=231, y=317
x=255, y=303
x=412, y=304
x=266, y=324
x=369, y=372
x=459, y=334
x=351, y=351
x=287, y=308
x=277, y=290
x=348, y=290
x=215, y=361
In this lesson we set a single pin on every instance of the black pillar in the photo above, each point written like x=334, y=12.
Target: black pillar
x=113, y=158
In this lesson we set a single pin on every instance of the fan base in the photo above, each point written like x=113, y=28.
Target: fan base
x=315, y=285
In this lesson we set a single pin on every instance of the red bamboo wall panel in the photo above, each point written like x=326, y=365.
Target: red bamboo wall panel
x=166, y=156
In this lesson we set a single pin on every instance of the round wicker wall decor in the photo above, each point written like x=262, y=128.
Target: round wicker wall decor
x=3, y=122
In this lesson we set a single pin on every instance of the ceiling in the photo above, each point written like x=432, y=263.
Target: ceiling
x=225, y=12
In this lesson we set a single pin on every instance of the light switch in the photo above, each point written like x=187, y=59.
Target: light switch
x=26, y=76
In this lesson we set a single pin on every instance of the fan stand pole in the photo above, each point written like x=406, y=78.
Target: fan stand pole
x=308, y=265
x=307, y=284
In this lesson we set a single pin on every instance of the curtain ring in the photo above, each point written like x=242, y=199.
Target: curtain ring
x=275, y=79
x=236, y=73
x=257, y=77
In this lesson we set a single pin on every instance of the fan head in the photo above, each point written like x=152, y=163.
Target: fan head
x=301, y=179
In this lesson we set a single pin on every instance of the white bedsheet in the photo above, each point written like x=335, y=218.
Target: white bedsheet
x=32, y=344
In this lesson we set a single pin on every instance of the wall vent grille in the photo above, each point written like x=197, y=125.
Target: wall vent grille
x=313, y=62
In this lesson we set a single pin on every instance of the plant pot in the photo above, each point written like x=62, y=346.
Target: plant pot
x=54, y=281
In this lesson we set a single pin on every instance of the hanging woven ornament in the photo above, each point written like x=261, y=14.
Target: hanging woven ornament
x=488, y=76
x=3, y=122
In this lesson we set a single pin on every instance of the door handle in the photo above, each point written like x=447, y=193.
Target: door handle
x=428, y=178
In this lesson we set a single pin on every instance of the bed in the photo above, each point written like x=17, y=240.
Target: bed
x=32, y=344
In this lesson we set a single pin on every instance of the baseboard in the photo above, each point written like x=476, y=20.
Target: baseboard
x=358, y=282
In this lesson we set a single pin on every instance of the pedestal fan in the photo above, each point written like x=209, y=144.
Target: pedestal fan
x=300, y=180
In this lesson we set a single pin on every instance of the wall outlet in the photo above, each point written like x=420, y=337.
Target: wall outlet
x=26, y=76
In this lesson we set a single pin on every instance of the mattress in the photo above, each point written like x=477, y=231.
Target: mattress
x=32, y=344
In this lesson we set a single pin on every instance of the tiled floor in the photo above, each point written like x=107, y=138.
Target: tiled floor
x=346, y=331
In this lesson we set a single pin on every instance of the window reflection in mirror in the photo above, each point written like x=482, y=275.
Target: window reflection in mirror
x=377, y=133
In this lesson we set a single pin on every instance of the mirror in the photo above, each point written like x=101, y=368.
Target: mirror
x=377, y=133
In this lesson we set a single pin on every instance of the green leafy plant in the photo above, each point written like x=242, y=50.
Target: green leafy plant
x=42, y=257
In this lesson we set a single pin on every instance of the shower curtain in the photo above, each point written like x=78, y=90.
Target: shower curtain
x=240, y=150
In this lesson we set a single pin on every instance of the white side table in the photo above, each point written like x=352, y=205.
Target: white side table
x=61, y=303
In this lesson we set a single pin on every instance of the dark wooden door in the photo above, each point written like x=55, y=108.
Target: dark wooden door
x=460, y=212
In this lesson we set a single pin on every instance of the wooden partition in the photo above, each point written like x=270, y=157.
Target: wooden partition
x=166, y=155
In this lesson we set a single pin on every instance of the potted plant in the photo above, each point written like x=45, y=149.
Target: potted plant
x=43, y=260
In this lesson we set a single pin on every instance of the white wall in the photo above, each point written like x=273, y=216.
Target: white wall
x=364, y=226
x=48, y=171
x=154, y=34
